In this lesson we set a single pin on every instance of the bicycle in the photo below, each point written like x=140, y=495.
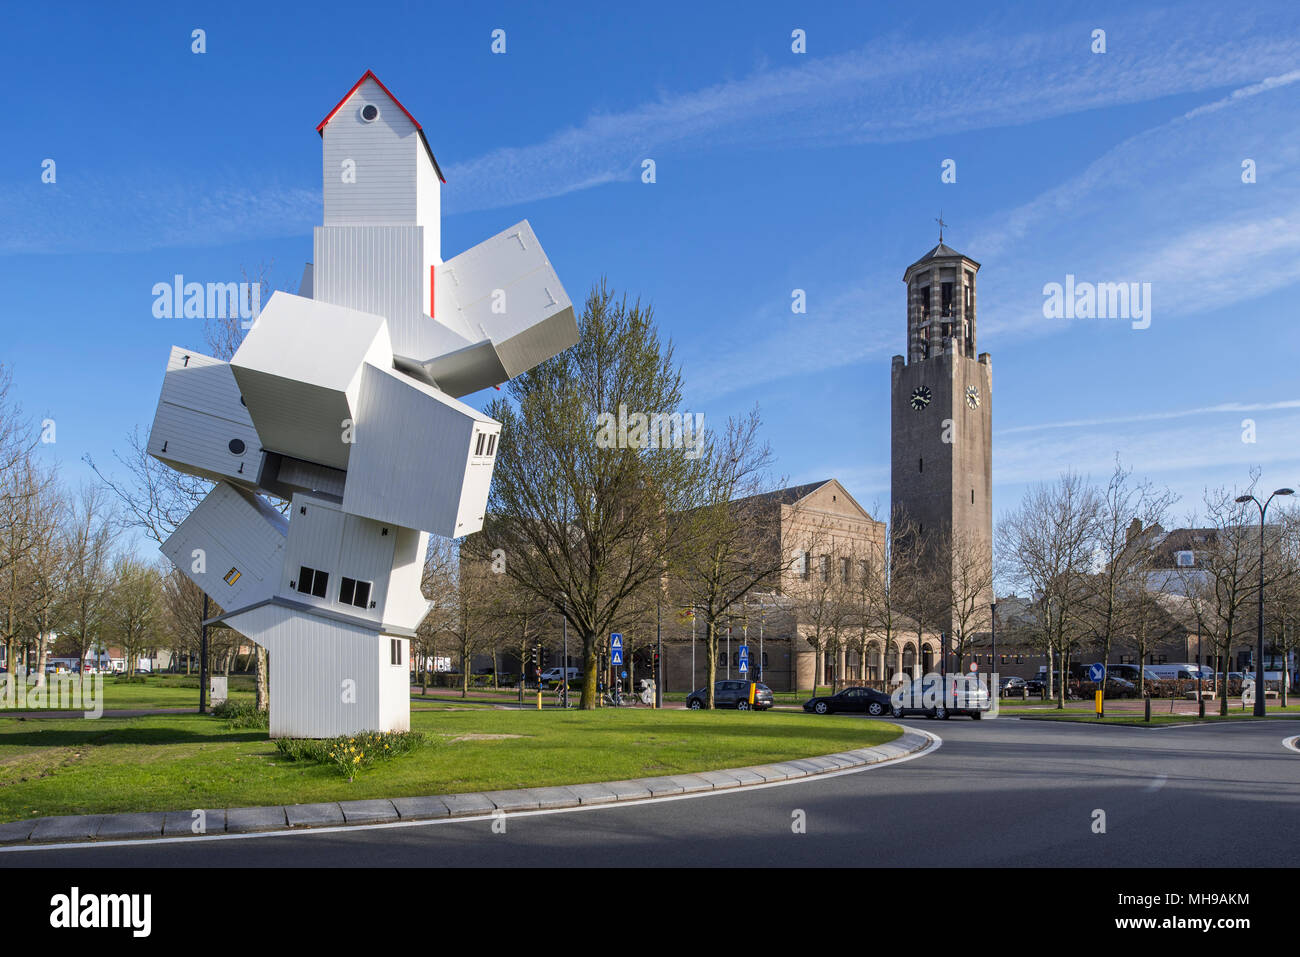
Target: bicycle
x=562, y=700
x=616, y=700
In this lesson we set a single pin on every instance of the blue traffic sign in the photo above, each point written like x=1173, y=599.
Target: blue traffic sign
x=616, y=641
x=1096, y=672
x=615, y=648
x=616, y=657
x=744, y=659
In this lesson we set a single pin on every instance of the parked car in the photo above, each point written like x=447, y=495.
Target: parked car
x=1120, y=688
x=851, y=701
x=1011, y=684
x=557, y=675
x=923, y=697
x=1036, y=684
x=732, y=694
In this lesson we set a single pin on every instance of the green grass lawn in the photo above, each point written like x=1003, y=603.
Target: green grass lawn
x=184, y=761
x=162, y=691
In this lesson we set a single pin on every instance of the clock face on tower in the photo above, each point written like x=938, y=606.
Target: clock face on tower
x=920, y=398
x=972, y=397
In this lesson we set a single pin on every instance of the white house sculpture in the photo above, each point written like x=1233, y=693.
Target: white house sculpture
x=342, y=401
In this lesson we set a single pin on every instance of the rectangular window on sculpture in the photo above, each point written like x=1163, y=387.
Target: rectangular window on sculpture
x=320, y=583
x=347, y=588
x=304, y=579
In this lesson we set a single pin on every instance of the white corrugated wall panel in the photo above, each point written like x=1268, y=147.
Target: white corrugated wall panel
x=232, y=531
x=315, y=538
x=382, y=157
x=428, y=213
x=325, y=674
x=367, y=555
x=395, y=685
x=403, y=466
x=190, y=440
x=380, y=270
x=382, y=154
x=406, y=605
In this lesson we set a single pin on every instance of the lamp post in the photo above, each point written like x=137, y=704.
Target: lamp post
x=993, y=654
x=1200, y=698
x=659, y=655
x=203, y=659
x=1259, y=642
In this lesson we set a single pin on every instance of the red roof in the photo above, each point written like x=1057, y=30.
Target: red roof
x=370, y=75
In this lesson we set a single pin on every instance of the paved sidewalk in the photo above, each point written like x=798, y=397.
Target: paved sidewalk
x=244, y=820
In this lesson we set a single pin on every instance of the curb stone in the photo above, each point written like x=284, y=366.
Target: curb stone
x=247, y=820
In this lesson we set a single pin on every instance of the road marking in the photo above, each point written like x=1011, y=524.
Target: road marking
x=935, y=744
x=1292, y=743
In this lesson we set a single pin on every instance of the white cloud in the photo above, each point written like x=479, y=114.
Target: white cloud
x=890, y=90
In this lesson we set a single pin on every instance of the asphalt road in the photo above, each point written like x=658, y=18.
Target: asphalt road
x=997, y=793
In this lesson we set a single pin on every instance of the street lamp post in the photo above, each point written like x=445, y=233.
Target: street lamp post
x=203, y=659
x=993, y=653
x=1200, y=698
x=659, y=655
x=1259, y=641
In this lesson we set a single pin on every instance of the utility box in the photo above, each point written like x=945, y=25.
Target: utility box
x=217, y=689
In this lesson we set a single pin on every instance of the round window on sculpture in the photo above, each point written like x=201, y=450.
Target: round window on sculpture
x=370, y=112
x=236, y=446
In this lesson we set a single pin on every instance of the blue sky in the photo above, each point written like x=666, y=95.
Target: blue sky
x=775, y=171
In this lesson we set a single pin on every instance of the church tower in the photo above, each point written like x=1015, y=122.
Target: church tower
x=941, y=410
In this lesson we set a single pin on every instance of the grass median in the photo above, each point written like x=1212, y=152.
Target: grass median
x=183, y=761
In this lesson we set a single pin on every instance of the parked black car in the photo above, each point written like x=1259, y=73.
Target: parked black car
x=732, y=694
x=851, y=700
x=1011, y=685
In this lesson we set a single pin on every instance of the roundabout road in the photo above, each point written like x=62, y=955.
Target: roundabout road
x=997, y=793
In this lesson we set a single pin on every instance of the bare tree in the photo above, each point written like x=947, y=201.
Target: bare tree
x=970, y=593
x=438, y=584
x=1224, y=586
x=89, y=534
x=735, y=543
x=878, y=590
x=1116, y=599
x=25, y=490
x=1048, y=543
x=477, y=620
x=133, y=608
x=44, y=570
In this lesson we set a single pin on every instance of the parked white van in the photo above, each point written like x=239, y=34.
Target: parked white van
x=1183, y=670
x=557, y=674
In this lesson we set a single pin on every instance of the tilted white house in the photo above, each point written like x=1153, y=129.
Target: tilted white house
x=343, y=403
